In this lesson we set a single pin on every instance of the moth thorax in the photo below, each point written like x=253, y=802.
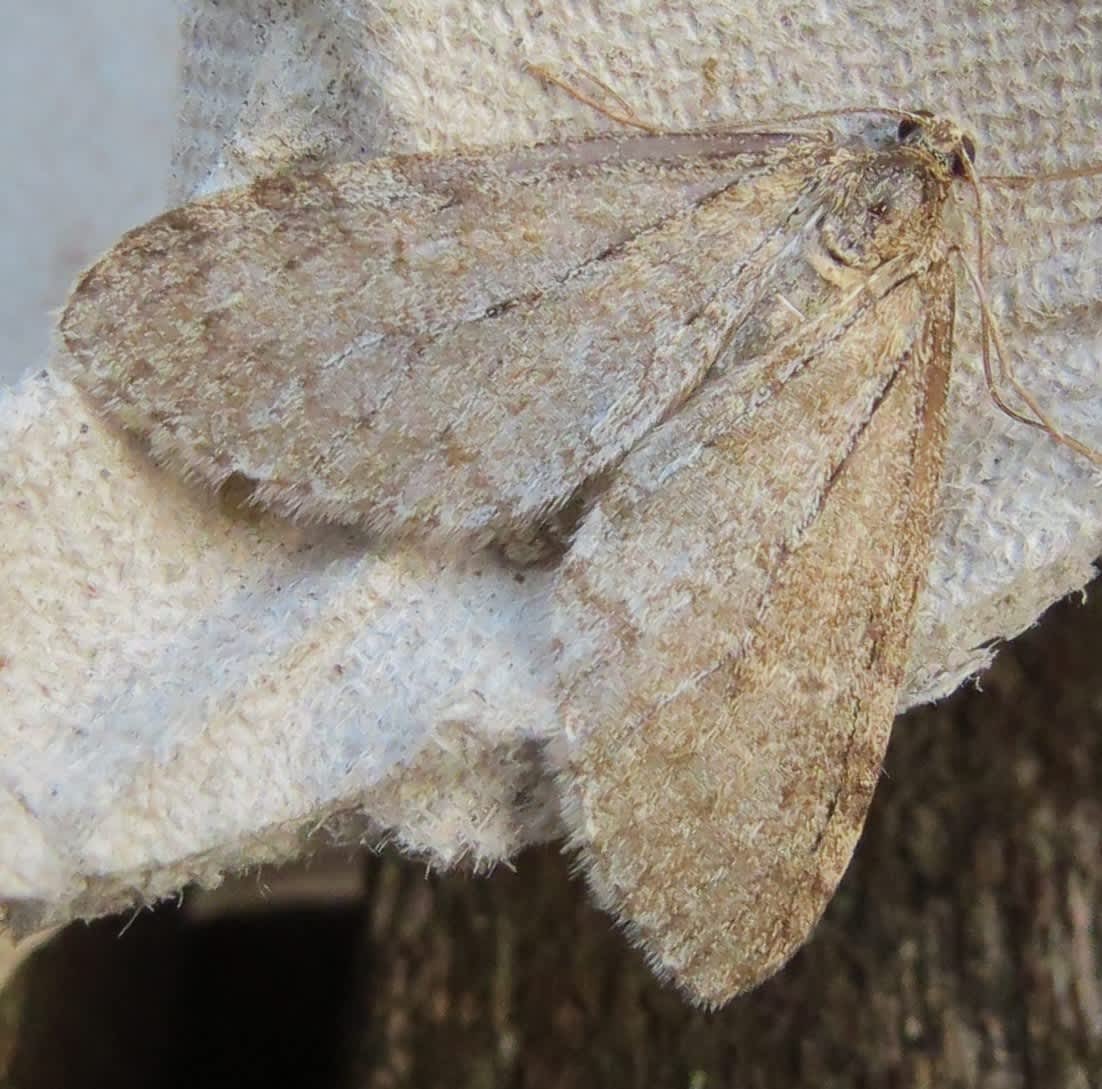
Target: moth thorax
x=892, y=206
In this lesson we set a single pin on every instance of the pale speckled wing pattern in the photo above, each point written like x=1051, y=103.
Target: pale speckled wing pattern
x=438, y=344
x=734, y=618
x=753, y=329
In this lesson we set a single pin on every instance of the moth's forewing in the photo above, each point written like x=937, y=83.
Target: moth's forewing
x=734, y=618
x=436, y=344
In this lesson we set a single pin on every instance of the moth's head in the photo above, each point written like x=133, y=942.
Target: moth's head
x=890, y=201
x=941, y=139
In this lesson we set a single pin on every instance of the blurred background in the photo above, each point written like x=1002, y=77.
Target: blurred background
x=86, y=121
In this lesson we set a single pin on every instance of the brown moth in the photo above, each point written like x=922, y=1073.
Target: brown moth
x=731, y=346
x=735, y=610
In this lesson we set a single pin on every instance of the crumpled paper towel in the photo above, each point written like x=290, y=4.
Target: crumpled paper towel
x=186, y=689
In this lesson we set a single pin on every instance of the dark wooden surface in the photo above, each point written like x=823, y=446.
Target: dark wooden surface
x=963, y=949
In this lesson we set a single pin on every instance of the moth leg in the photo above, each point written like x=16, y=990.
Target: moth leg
x=992, y=343
x=625, y=115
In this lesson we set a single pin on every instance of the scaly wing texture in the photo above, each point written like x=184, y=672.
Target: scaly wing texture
x=450, y=343
x=734, y=618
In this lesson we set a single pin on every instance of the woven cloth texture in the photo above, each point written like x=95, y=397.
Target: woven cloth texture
x=188, y=690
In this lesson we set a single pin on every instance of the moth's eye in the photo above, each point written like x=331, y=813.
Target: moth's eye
x=879, y=209
x=968, y=146
x=909, y=124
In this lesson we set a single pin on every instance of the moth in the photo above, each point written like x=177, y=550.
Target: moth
x=729, y=349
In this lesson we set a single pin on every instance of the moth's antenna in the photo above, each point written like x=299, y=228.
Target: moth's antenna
x=1020, y=181
x=626, y=117
x=854, y=111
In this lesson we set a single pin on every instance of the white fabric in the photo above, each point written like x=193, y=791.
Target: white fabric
x=186, y=690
